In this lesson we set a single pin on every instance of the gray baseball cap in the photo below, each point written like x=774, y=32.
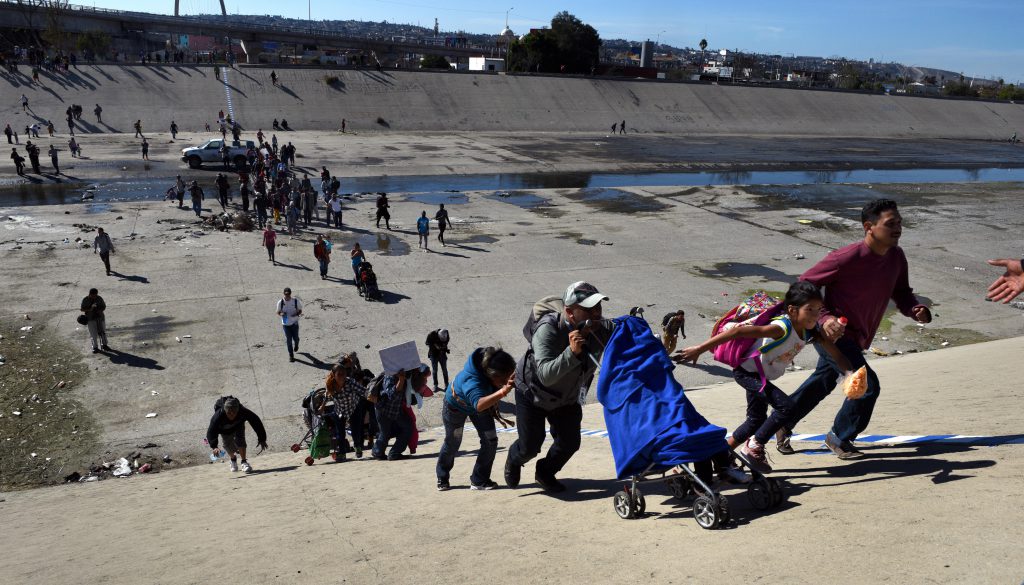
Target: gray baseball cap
x=582, y=294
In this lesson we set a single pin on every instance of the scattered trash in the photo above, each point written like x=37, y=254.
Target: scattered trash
x=167, y=458
x=154, y=393
x=26, y=328
x=945, y=343
x=16, y=413
x=151, y=415
x=220, y=454
x=92, y=478
x=885, y=339
x=73, y=477
x=878, y=352
x=186, y=336
x=178, y=339
x=804, y=221
x=61, y=384
x=27, y=318
x=122, y=468
x=961, y=268
x=34, y=455
x=799, y=256
x=145, y=468
x=701, y=315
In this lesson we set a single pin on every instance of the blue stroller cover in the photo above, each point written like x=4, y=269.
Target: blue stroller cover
x=649, y=419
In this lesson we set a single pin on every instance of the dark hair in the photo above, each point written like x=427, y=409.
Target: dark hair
x=94, y=291
x=497, y=362
x=873, y=209
x=802, y=292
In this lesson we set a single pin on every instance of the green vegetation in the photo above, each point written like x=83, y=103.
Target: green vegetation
x=569, y=46
x=95, y=42
x=434, y=62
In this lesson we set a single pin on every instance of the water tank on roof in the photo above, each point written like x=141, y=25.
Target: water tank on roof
x=647, y=54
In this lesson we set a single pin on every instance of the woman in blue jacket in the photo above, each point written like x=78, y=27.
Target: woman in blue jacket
x=478, y=388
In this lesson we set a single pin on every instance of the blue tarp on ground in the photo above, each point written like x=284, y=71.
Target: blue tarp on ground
x=649, y=418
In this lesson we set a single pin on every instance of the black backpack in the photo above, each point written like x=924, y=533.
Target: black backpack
x=219, y=405
x=374, y=388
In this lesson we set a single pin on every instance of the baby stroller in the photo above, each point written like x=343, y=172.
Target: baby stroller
x=322, y=438
x=368, y=282
x=655, y=432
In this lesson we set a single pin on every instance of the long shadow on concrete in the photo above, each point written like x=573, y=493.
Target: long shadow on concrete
x=130, y=360
x=892, y=462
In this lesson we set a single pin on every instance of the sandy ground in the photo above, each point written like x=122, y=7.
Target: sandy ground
x=926, y=513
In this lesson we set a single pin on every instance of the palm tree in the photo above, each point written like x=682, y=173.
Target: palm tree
x=703, y=45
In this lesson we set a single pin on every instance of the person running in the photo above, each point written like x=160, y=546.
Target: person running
x=382, y=210
x=442, y=219
x=487, y=378
x=858, y=281
x=197, y=195
x=780, y=342
x=270, y=242
x=179, y=190
x=437, y=351
x=104, y=246
x=552, y=379
x=93, y=307
x=138, y=128
x=322, y=253
x=289, y=309
x=228, y=424
x=423, y=228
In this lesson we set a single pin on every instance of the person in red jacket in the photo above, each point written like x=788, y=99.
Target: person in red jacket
x=322, y=252
x=858, y=282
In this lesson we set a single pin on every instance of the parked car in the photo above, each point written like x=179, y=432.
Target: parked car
x=209, y=152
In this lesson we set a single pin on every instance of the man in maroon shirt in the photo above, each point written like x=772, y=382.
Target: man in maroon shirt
x=858, y=281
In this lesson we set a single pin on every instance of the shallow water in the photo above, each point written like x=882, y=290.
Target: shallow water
x=435, y=189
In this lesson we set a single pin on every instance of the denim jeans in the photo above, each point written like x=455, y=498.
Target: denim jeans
x=454, y=421
x=291, y=338
x=530, y=423
x=323, y=266
x=261, y=217
x=758, y=422
x=441, y=360
x=338, y=430
x=400, y=428
x=854, y=415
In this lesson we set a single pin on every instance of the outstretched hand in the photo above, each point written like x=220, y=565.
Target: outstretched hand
x=689, y=354
x=1010, y=284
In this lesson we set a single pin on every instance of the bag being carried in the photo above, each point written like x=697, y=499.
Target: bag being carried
x=759, y=309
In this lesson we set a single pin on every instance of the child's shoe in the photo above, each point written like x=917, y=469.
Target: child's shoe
x=754, y=452
x=233, y=466
x=735, y=475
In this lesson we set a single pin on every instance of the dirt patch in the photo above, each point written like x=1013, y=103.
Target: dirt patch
x=38, y=380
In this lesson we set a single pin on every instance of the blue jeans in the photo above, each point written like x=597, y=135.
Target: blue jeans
x=854, y=415
x=400, y=428
x=323, y=267
x=197, y=207
x=454, y=421
x=291, y=338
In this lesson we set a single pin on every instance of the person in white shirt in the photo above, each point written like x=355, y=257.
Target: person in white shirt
x=289, y=309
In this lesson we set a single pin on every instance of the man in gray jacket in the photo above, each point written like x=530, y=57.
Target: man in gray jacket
x=103, y=244
x=552, y=380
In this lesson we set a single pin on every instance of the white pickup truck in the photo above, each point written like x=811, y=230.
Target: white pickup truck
x=209, y=152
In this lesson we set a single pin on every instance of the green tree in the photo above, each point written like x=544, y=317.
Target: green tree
x=569, y=46
x=95, y=42
x=434, y=62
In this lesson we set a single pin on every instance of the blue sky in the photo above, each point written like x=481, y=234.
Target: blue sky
x=977, y=37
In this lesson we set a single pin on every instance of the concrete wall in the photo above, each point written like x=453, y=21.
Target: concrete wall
x=413, y=101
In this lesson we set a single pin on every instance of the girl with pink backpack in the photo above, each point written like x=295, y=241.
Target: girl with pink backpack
x=760, y=348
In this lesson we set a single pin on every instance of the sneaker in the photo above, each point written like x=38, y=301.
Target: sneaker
x=755, y=455
x=512, y=474
x=246, y=468
x=842, y=449
x=233, y=465
x=487, y=485
x=735, y=475
x=549, y=483
x=397, y=456
x=359, y=453
x=443, y=486
x=782, y=441
x=105, y=347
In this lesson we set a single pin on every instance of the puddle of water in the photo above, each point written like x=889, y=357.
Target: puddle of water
x=478, y=239
x=438, y=198
x=98, y=207
x=381, y=243
x=614, y=200
x=518, y=198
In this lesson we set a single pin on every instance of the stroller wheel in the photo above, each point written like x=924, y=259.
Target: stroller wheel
x=295, y=448
x=623, y=505
x=775, y=489
x=639, y=504
x=679, y=487
x=309, y=460
x=706, y=512
x=760, y=494
x=723, y=510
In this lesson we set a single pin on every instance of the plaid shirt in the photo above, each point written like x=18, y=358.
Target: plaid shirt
x=346, y=398
x=391, y=398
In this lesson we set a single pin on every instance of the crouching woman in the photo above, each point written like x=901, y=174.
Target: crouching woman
x=475, y=391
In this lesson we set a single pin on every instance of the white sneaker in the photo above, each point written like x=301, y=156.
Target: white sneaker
x=246, y=468
x=735, y=475
x=232, y=465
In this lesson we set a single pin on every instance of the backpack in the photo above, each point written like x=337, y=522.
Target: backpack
x=757, y=310
x=374, y=388
x=541, y=310
x=219, y=405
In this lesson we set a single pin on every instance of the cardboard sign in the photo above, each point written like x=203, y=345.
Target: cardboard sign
x=400, y=358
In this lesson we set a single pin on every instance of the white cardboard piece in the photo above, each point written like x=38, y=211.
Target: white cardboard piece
x=400, y=358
